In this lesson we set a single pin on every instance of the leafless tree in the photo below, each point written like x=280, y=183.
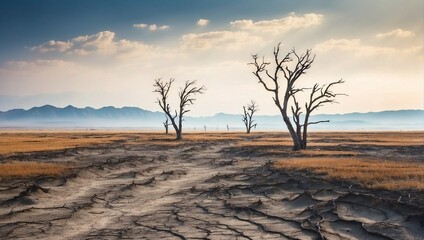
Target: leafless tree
x=318, y=96
x=248, y=112
x=166, y=125
x=282, y=79
x=186, y=97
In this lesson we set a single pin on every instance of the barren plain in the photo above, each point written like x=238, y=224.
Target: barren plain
x=140, y=185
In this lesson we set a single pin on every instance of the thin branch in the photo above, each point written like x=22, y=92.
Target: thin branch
x=323, y=121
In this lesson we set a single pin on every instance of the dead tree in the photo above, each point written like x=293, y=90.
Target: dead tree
x=166, y=125
x=186, y=97
x=282, y=80
x=318, y=96
x=248, y=112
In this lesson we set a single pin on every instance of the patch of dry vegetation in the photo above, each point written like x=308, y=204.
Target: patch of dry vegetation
x=331, y=139
x=259, y=143
x=370, y=173
x=311, y=153
x=28, y=169
x=368, y=138
x=31, y=142
x=160, y=139
x=261, y=139
x=213, y=136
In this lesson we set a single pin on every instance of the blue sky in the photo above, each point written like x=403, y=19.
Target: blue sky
x=98, y=53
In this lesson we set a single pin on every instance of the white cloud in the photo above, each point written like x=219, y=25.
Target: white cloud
x=36, y=64
x=358, y=49
x=223, y=39
x=202, y=22
x=339, y=44
x=102, y=43
x=151, y=27
x=140, y=25
x=52, y=46
x=396, y=33
x=164, y=27
x=280, y=25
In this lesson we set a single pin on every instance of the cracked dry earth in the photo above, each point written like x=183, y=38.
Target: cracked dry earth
x=195, y=190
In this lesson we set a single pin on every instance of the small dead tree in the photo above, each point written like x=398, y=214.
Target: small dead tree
x=166, y=125
x=186, y=97
x=282, y=79
x=248, y=112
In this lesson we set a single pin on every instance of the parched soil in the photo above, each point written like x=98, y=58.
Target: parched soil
x=204, y=189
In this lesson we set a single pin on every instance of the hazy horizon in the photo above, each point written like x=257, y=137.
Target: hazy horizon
x=136, y=118
x=191, y=115
x=108, y=53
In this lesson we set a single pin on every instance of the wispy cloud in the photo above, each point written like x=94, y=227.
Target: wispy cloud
x=399, y=33
x=39, y=63
x=140, y=25
x=202, y=22
x=220, y=39
x=103, y=43
x=164, y=27
x=356, y=47
x=53, y=46
x=151, y=27
x=281, y=24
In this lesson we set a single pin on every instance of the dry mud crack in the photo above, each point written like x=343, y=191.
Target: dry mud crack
x=195, y=191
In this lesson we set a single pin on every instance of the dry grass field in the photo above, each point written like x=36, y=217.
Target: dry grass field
x=19, y=142
x=375, y=173
x=28, y=169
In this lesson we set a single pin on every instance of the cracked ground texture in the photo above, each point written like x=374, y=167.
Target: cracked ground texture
x=203, y=189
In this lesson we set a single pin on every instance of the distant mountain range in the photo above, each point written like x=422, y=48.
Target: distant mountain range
x=132, y=117
x=49, y=112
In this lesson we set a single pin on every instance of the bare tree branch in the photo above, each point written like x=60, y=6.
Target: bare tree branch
x=186, y=96
x=323, y=121
x=248, y=112
x=260, y=67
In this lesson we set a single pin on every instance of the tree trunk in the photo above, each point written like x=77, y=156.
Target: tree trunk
x=305, y=137
x=166, y=128
x=179, y=135
x=296, y=141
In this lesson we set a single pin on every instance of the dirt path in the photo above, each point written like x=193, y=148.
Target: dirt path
x=195, y=191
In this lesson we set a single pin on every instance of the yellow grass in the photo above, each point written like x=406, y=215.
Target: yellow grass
x=26, y=169
x=213, y=136
x=31, y=142
x=395, y=138
x=325, y=153
x=370, y=173
x=264, y=139
x=326, y=139
x=169, y=139
x=258, y=143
